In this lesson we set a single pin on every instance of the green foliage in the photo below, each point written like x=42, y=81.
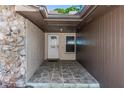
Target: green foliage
x=67, y=10
x=60, y=10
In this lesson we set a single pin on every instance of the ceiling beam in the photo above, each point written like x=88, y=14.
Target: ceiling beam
x=65, y=20
x=50, y=16
x=62, y=25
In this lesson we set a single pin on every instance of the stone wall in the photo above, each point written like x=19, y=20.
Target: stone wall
x=12, y=48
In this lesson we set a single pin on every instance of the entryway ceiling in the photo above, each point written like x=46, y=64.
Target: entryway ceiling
x=60, y=23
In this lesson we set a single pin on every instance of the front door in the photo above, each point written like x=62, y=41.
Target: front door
x=53, y=49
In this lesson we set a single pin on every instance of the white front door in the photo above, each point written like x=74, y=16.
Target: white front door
x=53, y=49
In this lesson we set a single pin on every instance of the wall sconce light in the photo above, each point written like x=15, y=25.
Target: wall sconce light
x=61, y=29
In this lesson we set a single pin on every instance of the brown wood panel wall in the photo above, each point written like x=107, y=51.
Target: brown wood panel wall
x=102, y=54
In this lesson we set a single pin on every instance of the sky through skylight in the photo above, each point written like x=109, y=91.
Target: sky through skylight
x=63, y=9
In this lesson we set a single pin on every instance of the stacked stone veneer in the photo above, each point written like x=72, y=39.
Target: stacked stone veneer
x=12, y=48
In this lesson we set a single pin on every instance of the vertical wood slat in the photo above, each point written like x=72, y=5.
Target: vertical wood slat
x=104, y=59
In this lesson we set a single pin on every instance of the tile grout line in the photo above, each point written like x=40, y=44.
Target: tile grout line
x=72, y=76
x=62, y=75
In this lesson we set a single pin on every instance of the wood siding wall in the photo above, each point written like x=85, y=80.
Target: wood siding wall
x=102, y=51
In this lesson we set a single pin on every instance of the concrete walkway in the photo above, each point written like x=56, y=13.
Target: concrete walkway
x=68, y=74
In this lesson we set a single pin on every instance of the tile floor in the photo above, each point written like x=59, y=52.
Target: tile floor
x=68, y=74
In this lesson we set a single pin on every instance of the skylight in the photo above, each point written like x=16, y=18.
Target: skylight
x=64, y=9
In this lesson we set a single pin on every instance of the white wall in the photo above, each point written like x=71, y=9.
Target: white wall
x=62, y=41
x=34, y=47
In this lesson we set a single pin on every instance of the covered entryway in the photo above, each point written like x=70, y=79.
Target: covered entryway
x=83, y=39
x=56, y=39
x=89, y=50
x=51, y=51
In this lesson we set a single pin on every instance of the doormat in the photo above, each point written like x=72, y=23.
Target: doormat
x=53, y=60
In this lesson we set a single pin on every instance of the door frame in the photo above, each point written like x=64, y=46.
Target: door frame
x=58, y=44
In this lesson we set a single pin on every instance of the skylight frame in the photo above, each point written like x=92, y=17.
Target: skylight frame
x=44, y=11
x=49, y=14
